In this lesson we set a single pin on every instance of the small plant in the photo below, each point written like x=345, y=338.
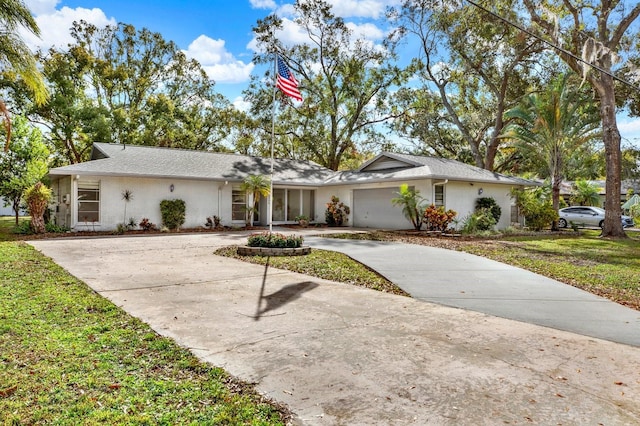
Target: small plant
x=131, y=224
x=479, y=221
x=337, y=212
x=437, y=219
x=274, y=240
x=147, y=225
x=24, y=228
x=127, y=196
x=303, y=220
x=173, y=213
x=121, y=228
x=55, y=229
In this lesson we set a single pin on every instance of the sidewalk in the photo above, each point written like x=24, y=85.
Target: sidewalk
x=342, y=355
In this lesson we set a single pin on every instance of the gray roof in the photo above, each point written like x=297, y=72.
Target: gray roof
x=143, y=161
x=400, y=167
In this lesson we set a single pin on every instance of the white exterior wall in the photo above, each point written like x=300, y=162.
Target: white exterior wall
x=459, y=196
x=323, y=196
x=462, y=196
x=200, y=197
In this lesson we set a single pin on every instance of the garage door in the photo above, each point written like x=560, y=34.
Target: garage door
x=372, y=208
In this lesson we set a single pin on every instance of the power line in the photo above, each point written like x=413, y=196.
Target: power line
x=553, y=45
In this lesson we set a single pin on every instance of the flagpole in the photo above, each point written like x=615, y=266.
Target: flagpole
x=273, y=134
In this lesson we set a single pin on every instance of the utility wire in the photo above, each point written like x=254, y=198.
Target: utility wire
x=554, y=46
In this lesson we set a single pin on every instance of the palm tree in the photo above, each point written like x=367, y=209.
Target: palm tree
x=550, y=126
x=412, y=203
x=255, y=186
x=585, y=194
x=15, y=54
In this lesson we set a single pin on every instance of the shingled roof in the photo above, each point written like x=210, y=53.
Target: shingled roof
x=401, y=167
x=143, y=161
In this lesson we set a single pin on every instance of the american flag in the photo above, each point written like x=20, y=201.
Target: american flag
x=287, y=82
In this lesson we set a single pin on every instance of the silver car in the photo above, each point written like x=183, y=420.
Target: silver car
x=587, y=216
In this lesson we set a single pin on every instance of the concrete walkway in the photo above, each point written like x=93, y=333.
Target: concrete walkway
x=341, y=355
x=471, y=282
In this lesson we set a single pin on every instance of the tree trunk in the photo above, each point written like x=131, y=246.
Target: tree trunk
x=613, y=156
x=555, y=199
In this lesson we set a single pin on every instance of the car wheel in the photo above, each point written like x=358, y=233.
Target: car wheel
x=562, y=223
x=601, y=224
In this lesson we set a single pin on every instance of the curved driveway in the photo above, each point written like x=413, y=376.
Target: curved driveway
x=341, y=355
x=472, y=282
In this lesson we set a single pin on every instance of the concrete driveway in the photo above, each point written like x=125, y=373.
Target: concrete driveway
x=341, y=355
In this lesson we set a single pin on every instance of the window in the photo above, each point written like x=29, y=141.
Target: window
x=238, y=204
x=88, y=201
x=438, y=195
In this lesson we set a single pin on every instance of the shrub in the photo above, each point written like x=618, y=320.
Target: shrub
x=437, y=219
x=536, y=207
x=481, y=220
x=490, y=204
x=274, y=240
x=173, y=213
x=337, y=212
x=146, y=225
x=540, y=215
x=55, y=229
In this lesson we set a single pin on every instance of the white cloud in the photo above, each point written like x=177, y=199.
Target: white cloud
x=55, y=24
x=219, y=64
x=629, y=128
x=366, y=31
x=263, y=4
x=241, y=105
x=40, y=7
x=290, y=34
x=361, y=8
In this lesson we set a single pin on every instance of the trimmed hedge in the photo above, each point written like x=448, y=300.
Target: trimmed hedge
x=274, y=240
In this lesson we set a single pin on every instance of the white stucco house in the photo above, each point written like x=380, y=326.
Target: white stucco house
x=88, y=196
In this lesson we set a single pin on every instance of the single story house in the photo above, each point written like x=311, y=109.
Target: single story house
x=88, y=196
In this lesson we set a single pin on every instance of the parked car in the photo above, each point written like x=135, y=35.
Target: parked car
x=587, y=216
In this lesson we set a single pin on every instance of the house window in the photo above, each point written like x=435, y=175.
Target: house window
x=238, y=204
x=438, y=195
x=88, y=202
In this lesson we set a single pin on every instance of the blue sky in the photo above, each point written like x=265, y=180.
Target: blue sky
x=217, y=33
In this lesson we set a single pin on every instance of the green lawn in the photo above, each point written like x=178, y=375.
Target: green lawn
x=610, y=268
x=69, y=357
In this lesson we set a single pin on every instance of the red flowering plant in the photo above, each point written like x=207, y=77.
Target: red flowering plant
x=437, y=219
x=337, y=212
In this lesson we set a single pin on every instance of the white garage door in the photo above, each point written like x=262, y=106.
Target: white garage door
x=372, y=208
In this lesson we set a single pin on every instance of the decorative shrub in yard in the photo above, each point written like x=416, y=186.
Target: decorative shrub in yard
x=337, y=212
x=490, y=204
x=437, y=219
x=274, y=240
x=146, y=225
x=173, y=213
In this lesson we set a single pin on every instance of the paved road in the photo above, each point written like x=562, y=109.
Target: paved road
x=341, y=355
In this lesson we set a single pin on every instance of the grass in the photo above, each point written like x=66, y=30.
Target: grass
x=7, y=225
x=607, y=267
x=323, y=264
x=69, y=356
